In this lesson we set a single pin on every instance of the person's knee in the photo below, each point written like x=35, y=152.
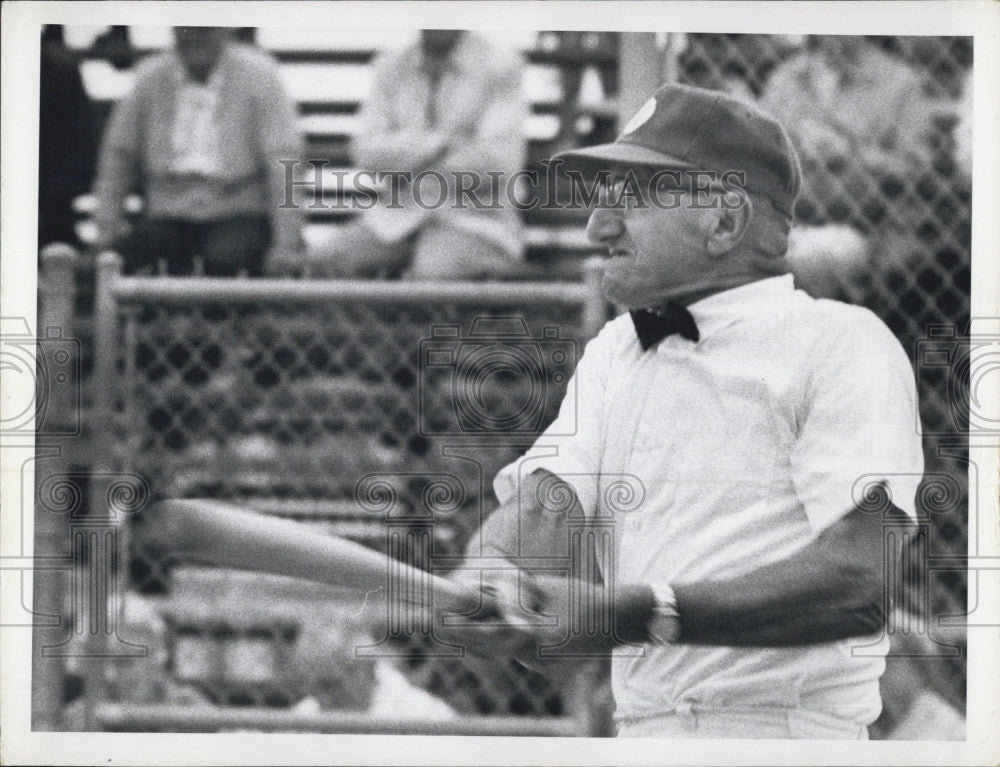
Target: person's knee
x=355, y=251
x=439, y=267
x=443, y=255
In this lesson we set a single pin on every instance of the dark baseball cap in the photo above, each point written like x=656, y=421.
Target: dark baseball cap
x=687, y=128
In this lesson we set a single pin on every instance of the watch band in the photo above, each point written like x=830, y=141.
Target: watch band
x=664, y=625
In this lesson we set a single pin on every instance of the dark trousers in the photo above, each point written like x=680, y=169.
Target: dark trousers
x=226, y=247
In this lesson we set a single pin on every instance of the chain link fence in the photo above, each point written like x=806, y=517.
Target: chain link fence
x=376, y=411
x=282, y=400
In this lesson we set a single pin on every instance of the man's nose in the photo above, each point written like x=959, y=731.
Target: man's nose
x=605, y=224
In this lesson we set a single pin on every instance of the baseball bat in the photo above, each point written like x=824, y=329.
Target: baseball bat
x=226, y=535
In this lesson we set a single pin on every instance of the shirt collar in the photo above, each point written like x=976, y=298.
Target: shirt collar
x=721, y=310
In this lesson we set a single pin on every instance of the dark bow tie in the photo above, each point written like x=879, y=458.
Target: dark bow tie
x=653, y=328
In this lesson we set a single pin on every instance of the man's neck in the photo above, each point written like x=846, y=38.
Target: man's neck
x=718, y=284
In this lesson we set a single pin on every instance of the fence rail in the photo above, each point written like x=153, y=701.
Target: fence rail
x=214, y=719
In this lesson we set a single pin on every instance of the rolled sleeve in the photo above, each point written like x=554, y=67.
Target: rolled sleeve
x=279, y=139
x=498, y=142
x=381, y=144
x=279, y=134
x=859, y=426
x=570, y=447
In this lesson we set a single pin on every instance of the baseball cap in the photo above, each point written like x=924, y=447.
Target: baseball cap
x=686, y=128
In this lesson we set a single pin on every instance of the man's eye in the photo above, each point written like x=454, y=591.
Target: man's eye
x=610, y=193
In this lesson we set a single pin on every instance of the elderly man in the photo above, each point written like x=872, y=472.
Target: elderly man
x=200, y=136
x=448, y=111
x=745, y=444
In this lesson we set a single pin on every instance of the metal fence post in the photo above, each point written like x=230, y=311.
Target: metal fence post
x=595, y=307
x=50, y=586
x=670, y=55
x=96, y=602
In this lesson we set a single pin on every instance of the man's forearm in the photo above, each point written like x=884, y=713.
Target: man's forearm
x=832, y=589
x=403, y=150
x=115, y=178
x=753, y=611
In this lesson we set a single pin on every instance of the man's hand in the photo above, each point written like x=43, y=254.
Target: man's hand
x=506, y=623
x=537, y=617
x=584, y=618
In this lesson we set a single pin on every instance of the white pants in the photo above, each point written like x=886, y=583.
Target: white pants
x=772, y=723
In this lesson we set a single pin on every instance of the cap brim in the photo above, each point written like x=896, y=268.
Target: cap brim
x=605, y=156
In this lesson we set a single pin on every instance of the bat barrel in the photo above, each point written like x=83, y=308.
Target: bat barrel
x=226, y=535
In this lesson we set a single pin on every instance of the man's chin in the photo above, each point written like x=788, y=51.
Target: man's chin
x=627, y=293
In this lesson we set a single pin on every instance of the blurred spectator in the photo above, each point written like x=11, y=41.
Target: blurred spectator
x=115, y=46
x=861, y=122
x=577, y=53
x=67, y=141
x=450, y=102
x=200, y=136
x=920, y=698
x=963, y=130
x=829, y=261
x=245, y=35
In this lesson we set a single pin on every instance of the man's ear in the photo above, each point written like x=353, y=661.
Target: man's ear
x=727, y=227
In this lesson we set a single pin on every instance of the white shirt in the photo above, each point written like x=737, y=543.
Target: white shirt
x=196, y=136
x=738, y=449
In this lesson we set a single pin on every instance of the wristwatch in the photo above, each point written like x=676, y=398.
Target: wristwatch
x=664, y=625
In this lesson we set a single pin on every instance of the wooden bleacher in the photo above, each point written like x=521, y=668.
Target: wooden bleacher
x=329, y=77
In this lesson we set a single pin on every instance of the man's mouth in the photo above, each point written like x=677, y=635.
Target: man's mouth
x=619, y=253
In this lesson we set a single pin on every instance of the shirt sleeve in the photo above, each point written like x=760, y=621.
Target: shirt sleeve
x=381, y=144
x=278, y=120
x=279, y=138
x=497, y=140
x=118, y=159
x=858, y=425
x=571, y=446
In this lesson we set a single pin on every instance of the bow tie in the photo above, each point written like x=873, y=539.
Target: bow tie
x=653, y=328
